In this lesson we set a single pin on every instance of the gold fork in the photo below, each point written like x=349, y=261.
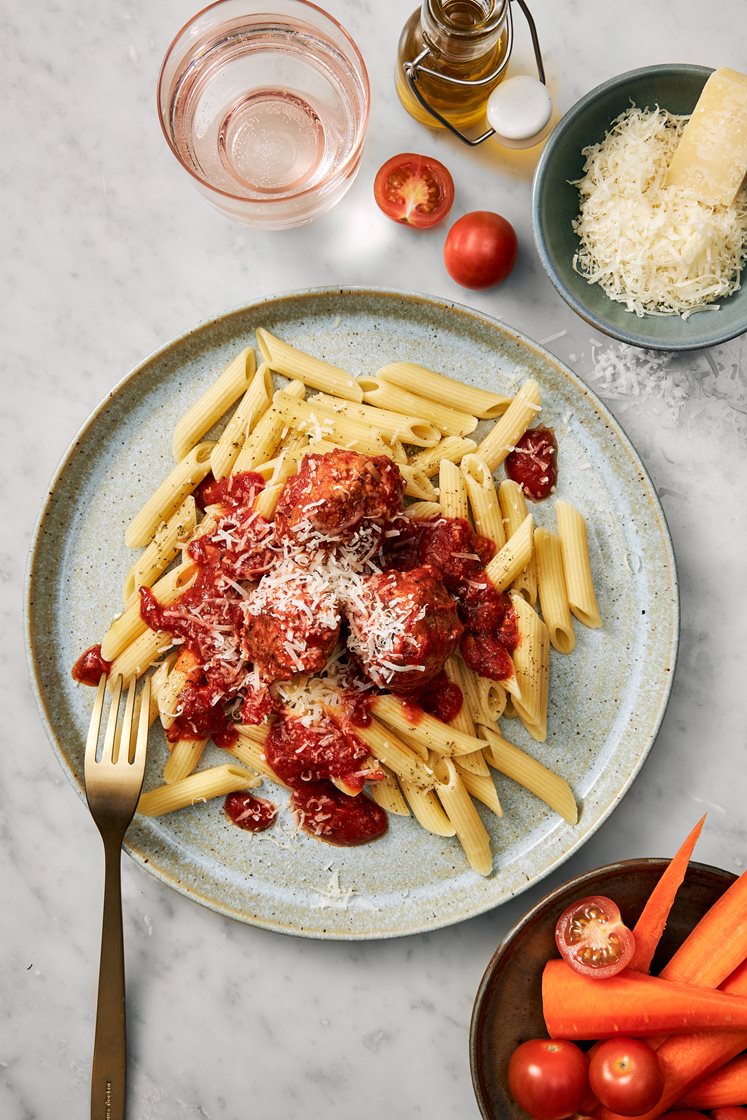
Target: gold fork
x=113, y=786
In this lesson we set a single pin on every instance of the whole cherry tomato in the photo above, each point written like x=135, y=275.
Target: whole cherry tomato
x=625, y=1075
x=415, y=190
x=480, y=249
x=592, y=937
x=548, y=1078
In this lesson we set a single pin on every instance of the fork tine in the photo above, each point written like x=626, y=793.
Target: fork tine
x=111, y=727
x=95, y=724
x=141, y=740
x=123, y=740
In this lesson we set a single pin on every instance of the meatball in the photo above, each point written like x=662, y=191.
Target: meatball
x=292, y=623
x=403, y=627
x=334, y=495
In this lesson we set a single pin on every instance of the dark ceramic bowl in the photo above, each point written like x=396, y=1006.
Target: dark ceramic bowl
x=508, y=1008
x=555, y=205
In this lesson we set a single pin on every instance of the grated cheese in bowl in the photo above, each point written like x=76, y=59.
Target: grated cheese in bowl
x=655, y=248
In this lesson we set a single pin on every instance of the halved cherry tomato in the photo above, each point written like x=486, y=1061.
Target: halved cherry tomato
x=416, y=190
x=593, y=939
x=480, y=249
x=625, y=1075
x=548, y=1078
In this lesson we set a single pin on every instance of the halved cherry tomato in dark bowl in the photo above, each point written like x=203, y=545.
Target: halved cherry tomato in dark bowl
x=625, y=1075
x=548, y=1078
x=592, y=937
x=415, y=190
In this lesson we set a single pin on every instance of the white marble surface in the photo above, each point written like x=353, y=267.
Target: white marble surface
x=108, y=253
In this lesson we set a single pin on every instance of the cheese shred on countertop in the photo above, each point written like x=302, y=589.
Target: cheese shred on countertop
x=655, y=248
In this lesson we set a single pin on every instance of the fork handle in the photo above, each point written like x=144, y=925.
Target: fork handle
x=109, y=1074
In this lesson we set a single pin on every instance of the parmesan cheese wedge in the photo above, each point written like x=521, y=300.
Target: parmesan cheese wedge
x=711, y=157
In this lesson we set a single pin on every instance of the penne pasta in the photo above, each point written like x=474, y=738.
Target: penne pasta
x=264, y=439
x=483, y=500
x=130, y=625
x=266, y=502
x=396, y=425
x=388, y=794
x=172, y=687
x=452, y=492
x=154, y=561
x=448, y=420
x=423, y=509
x=576, y=565
x=214, y=403
x=252, y=405
x=492, y=699
x=453, y=448
x=427, y=809
x=321, y=422
x=461, y=812
x=553, y=596
x=456, y=670
x=214, y=782
x=532, y=775
x=532, y=667
x=292, y=363
x=519, y=416
x=139, y=655
x=437, y=736
x=157, y=681
x=514, y=510
x=167, y=498
x=513, y=557
x=444, y=390
x=250, y=750
x=389, y=749
x=183, y=759
x=482, y=788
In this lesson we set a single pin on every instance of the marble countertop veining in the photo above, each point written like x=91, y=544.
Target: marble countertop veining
x=109, y=253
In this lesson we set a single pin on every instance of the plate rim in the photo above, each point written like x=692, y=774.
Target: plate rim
x=440, y=304
x=580, y=881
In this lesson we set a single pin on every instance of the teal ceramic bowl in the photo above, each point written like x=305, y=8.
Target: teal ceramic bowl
x=555, y=204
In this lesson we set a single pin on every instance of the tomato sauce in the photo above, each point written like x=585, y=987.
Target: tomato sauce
x=201, y=716
x=231, y=492
x=441, y=698
x=460, y=556
x=327, y=813
x=254, y=814
x=299, y=754
x=533, y=464
x=89, y=667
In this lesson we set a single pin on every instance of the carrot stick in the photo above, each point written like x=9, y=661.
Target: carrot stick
x=632, y=1004
x=650, y=926
x=686, y=1059
x=726, y=1086
x=717, y=945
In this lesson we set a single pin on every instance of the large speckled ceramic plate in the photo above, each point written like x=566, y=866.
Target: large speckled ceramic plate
x=606, y=700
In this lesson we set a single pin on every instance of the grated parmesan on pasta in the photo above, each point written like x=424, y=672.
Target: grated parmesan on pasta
x=655, y=248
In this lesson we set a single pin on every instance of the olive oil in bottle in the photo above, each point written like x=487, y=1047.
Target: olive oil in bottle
x=465, y=41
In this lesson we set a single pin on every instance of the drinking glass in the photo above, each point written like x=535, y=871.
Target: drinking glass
x=266, y=110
